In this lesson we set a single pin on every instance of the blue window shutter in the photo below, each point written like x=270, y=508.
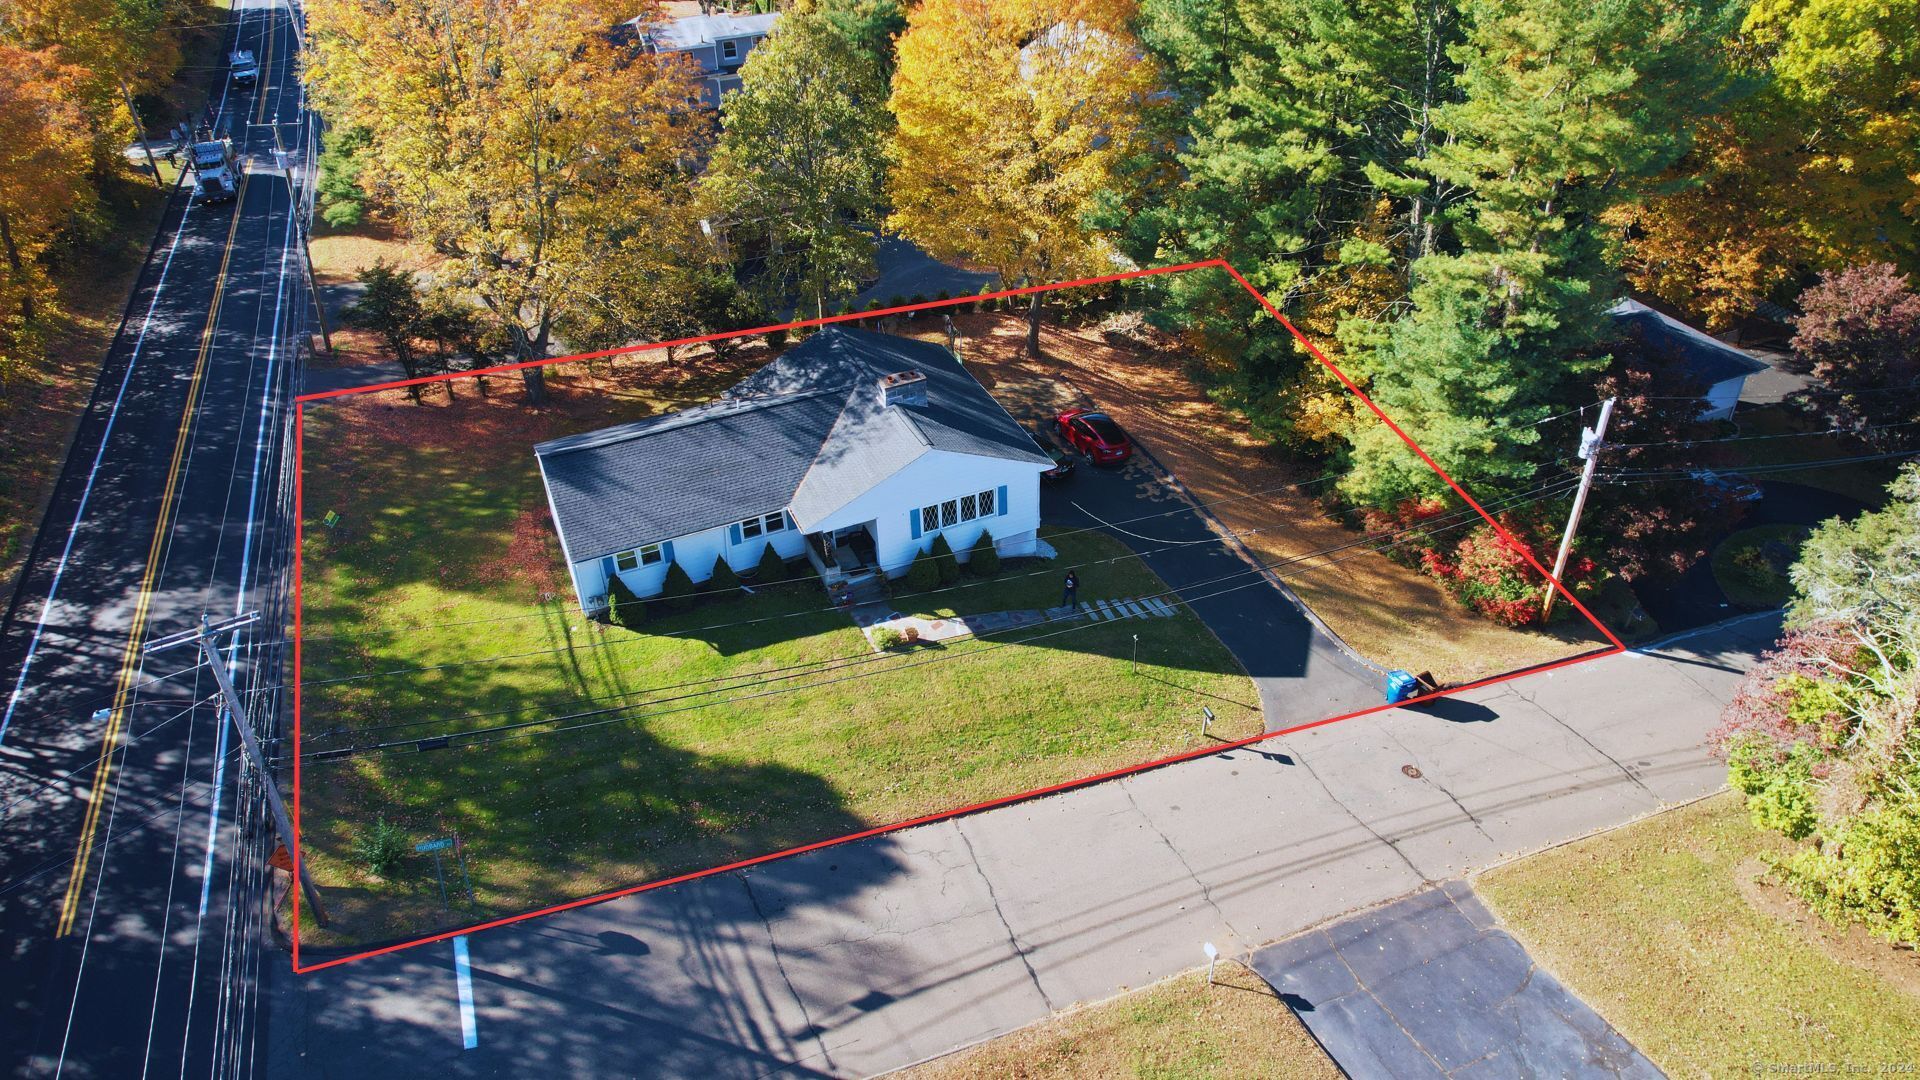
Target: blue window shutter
x=666, y=550
x=606, y=567
x=913, y=520
x=1000, y=501
x=733, y=531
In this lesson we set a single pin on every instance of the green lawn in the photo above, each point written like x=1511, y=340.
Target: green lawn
x=1180, y=1029
x=1662, y=928
x=768, y=720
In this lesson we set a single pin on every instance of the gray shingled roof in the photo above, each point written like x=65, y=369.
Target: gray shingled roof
x=1707, y=358
x=807, y=432
x=696, y=30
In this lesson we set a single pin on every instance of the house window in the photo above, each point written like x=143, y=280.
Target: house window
x=929, y=519
x=626, y=560
x=775, y=522
x=967, y=512
x=749, y=528
x=650, y=555
x=986, y=503
x=949, y=513
x=730, y=49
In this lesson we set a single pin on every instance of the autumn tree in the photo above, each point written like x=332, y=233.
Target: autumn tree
x=800, y=160
x=1650, y=529
x=1859, y=335
x=523, y=142
x=1016, y=119
x=43, y=179
x=1816, y=167
x=110, y=50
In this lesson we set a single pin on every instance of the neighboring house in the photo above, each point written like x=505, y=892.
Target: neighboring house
x=1720, y=367
x=853, y=449
x=717, y=44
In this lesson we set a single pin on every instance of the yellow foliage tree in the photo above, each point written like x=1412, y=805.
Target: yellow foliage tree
x=534, y=149
x=110, y=50
x=1015, y=118
x=43, y=179
x=1818, y=169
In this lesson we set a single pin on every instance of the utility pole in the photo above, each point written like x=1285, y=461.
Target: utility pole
x=140, y=128
x=1592, y=440
x=204, y=637
x=306, y=245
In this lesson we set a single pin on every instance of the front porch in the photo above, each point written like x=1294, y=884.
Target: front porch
x=844, y=555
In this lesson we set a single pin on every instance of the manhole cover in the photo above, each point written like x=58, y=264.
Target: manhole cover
x=1410, y=771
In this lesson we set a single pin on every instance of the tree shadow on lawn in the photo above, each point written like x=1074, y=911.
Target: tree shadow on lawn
x=549, y=819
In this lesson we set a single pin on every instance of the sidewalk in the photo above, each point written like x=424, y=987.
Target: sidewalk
x=862, y=958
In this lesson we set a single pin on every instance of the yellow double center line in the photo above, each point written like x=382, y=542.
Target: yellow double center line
x=130, y=659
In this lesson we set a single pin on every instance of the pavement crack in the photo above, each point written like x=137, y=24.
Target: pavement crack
x=1206, y=891
x=1012, y=938
x=1301, y=757
x=812, y=1030
x=1473, y=819
x=1578, y=734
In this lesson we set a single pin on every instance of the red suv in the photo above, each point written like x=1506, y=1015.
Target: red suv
x=1095, y=435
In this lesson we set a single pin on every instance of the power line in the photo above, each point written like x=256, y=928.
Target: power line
x=508, y=731
x=1048, y=570
x=1758, y=438
x=409, y=627
x=1745, y=470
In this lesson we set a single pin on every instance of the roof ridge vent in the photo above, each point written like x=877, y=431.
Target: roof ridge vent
x=904, y=388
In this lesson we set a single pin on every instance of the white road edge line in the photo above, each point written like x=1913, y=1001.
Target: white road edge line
x=106, y=436
x=463, y=978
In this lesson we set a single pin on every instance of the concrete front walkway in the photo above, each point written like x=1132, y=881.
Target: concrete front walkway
x=861, y=958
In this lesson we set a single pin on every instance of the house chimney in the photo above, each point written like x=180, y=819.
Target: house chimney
x=904, y=388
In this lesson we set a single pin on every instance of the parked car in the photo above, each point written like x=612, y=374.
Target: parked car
x=1096, y=435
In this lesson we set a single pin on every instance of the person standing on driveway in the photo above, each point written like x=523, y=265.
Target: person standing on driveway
x=1072, y=590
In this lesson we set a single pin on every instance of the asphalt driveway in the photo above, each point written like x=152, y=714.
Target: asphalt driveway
x=1430, y=986
x=1302, y=672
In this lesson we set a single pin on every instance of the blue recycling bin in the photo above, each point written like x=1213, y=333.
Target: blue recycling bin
x=1401, y=685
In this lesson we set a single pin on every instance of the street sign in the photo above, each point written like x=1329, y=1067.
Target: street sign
x=441, y=844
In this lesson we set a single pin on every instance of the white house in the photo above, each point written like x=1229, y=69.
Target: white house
x=1718, y=366
x=853, y=449
x=717, y=44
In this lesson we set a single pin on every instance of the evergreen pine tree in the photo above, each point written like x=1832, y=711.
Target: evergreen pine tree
x=677, y=593
x=944, y=563
x=984, y=559
x=723, y=579
x=924, y=574
x=771, y=568
x=623, y=606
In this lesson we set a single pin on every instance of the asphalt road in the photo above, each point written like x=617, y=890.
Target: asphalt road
x=129, y=915
x=869, y=956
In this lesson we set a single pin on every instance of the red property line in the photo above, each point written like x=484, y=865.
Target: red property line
x=1616, y=646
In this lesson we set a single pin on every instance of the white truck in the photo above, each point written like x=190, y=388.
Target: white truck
x=242, y=68
x=216, y=171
